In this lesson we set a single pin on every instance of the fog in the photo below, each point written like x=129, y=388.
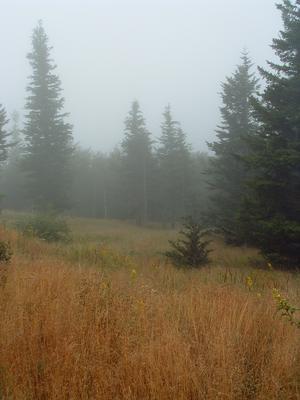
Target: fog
x=112, y=52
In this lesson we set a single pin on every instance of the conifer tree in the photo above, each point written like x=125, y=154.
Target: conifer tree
x=3, y=141
x=48, y=136
x=227, y=172
x=16, y=145
x=272, y=208
x=14, y=181
x=174, y=167
x=4, y=134
x=190, y=251
x=137, y=164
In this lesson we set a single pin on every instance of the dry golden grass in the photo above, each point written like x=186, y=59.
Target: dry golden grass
x=72, y=329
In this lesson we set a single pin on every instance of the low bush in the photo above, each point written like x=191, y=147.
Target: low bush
x=5, y=252
x=47, y=227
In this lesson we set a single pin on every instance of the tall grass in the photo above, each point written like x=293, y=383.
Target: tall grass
x=141, y=331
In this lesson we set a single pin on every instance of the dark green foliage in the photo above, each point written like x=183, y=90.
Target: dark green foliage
x=272, y=207
x=5, y=252
x=190, y=251
x=47, y=227
x=174, y=169
x=137, y=164
x=48, y=138
x=228, y=173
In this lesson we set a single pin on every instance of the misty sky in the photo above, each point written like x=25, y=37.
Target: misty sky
x=110, y=52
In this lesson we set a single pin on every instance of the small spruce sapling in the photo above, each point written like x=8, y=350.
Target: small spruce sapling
x=191, y=250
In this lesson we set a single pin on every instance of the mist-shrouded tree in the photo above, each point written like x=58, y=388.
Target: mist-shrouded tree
x=14, y=181
x=83, y=183
x=4, y=145
x=16, y=144
x=272, y=208
x=227, y=172
x=174, y=169
x=48, y=137
x=137, y=164
x=198, y=200
x=4, y=134
x=97, y=187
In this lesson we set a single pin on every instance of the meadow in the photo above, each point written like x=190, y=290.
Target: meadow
x=106, y=316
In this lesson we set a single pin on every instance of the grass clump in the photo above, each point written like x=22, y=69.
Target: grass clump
x=48, y=227
x=190, y=251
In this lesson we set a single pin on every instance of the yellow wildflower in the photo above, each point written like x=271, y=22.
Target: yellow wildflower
x=249, y=282
x=133, y=274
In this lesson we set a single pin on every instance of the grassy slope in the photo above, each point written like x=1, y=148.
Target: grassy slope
x=105, y=317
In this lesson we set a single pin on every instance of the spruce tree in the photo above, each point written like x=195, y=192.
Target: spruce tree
x=4, y=134
x=227, y=172
x=16, y=144
x=190, y=251
x=14, y=181
x=3, y=141
x=174, y=168
x=48, y=136
x=137, y=164
x=272, y=208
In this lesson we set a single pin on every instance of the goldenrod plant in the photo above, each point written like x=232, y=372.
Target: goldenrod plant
x=286, y=309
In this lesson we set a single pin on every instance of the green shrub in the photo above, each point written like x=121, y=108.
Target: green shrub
x=5, y=252
x=190, y=251
x=47, y=227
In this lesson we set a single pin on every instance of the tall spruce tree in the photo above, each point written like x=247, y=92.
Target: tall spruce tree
x=137, y=164
x=174, y=169
x=272, y=208
x=4, y=134
x=227, y=172
x=48, y=136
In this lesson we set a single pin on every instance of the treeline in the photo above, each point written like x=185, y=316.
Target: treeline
x=249, y=188
x=142, y=180
x=146, y=178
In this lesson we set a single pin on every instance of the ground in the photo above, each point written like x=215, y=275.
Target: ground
x=105, y=316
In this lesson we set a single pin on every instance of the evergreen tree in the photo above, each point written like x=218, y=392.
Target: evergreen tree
x=174, y=168
x=4, y=134
x=227, y=173
x=272, y=208
x=198, y=200
x=14, y=181
x=137, y=164
x=190, y=250
x=48, y=137
x=16, y=145
x=3, y=140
